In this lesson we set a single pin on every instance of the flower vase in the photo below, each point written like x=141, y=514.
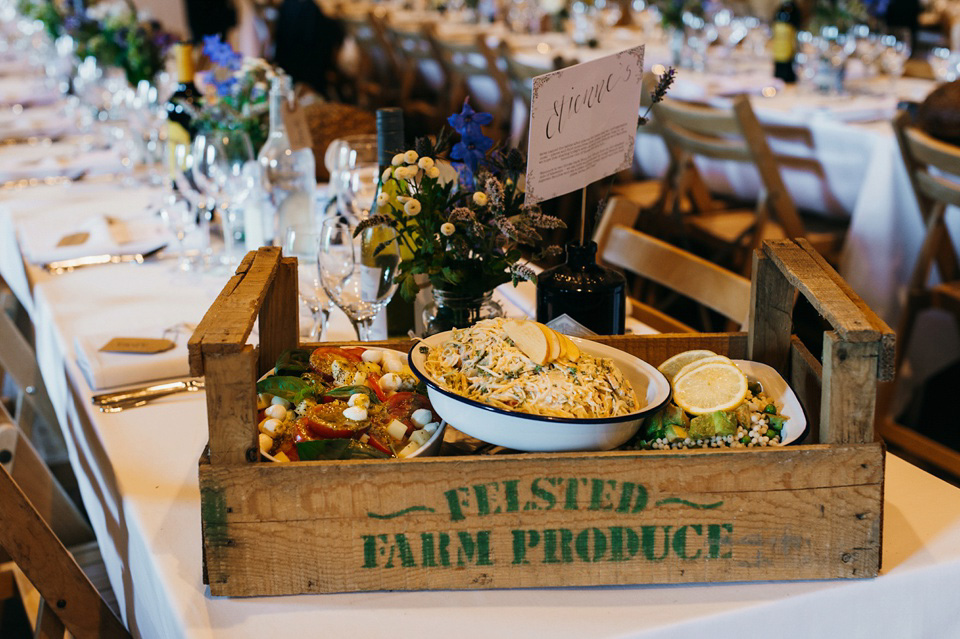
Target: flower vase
x=456, y=309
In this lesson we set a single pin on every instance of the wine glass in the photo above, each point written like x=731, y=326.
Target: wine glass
x=303, y=242
x=944, y=63
x=181, y=219
x=359, y=177
x=893, y=57
x=234, y=153
x=357, y=270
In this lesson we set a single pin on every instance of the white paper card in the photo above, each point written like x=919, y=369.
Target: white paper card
x=583, y=124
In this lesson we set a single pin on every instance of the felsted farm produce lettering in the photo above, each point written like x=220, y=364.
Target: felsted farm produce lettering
x=633, y=541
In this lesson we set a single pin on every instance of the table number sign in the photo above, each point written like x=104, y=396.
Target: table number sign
x=583, y=124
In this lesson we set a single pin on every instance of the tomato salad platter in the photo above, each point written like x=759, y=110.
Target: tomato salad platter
x=344, y=403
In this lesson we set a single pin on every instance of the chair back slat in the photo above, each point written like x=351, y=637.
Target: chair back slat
x=690, y=275
x=938, y=188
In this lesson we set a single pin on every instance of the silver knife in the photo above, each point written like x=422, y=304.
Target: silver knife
x=137, y=395
x=65, y=266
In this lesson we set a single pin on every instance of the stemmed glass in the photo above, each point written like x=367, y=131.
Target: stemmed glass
x=181, y=219
x=358, y=177
x=218, y=170
x=357, y=270
x=893, y=57
x=303, y=242
x=944, y=63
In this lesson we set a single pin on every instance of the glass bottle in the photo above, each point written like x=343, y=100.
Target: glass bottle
x=588, y=294
x=289, y=177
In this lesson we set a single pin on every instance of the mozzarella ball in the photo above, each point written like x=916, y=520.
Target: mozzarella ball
x=371, y=355
x=361, y=400
x=356, y=413
x=279, y=401
x=431, y=427
x=421, y=417
x=392, y=364
x=276, y=411
x=390, y=382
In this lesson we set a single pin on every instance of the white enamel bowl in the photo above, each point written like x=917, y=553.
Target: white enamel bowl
x=429, y=449
x=778, y=391
x=524, y=432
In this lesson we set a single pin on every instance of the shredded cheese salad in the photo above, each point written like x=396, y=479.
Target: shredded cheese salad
x=481, y=363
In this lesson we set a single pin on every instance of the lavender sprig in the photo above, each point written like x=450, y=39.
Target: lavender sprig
x=659, y=93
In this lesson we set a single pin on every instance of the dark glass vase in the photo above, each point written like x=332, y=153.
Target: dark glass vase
x=455, y=309
x=590, y=294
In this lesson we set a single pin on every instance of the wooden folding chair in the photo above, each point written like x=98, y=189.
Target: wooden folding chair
x=679, y=271
x=39, y=523
x=468, y=62
x=929, y=164
x=734, y=134
x=415, y=53
x=376, y=80
x=520, y=81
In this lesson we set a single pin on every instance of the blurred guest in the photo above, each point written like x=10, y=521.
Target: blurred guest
x=939, y=114
x=306, y=43
x=210, y=17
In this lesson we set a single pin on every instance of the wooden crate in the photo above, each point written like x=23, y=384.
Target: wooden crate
x=810, y=511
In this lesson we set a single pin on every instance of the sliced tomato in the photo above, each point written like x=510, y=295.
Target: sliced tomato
x=328, y=430
x=322, y=357
x=376, y=443
x=403, y=404
x=354, y=350
x=375, y=385
x=290, y=450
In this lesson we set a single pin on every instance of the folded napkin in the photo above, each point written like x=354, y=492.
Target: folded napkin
x=105, y=235
x=107, y=370
x=26, y=90
x=38, y=121
x=21, y=161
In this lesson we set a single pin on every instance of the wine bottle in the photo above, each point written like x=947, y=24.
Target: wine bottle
x=784, y=41
x=400, y=319
x=288, y=176
x=592, y=297
x=180, y=122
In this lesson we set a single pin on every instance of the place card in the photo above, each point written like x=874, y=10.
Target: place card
x=73, y=239
x=298, y=131
x=142, y=345
x=583, y=124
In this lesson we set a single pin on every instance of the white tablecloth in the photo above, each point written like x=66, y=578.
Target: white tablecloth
x=138, y=477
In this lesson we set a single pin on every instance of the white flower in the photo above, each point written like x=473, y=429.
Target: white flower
x=412, y=207
x=386, y=174
x=425, y=163
x=403, y=173
x=480, y=198
x=410, y=156
x=403, y=199
x=447, y=229
x=397, y=159
x=383, y=199
x=433, y=172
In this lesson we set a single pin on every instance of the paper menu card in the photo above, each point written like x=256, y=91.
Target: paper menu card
x=583, y=124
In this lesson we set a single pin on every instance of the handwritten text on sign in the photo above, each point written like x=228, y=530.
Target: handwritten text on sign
x=583, y=124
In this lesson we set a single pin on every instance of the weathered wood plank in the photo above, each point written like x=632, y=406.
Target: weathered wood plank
x=888, y=338
x=771, y=314
x=232, y=405
x=806, y=375
x=279, y=315
x=849, y=390
x=227, y=324
x=821, y=290
x=548, y=520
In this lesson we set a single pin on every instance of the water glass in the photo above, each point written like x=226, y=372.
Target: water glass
x=303, y=242
x=358, y=270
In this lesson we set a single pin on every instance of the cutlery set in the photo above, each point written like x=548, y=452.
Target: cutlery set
x=133, y=398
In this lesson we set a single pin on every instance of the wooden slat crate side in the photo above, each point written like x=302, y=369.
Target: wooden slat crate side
x=806, y=380
x=279, y=316
x=850, y=389
x=231, y=390
x=227, y=324
x=770, y=321
x=542, y=520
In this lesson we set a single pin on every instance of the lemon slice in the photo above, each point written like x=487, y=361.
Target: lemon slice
x=700, y=362
x=672, y=366
x=711, y=387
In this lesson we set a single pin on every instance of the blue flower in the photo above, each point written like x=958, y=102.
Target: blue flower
x=468, y=122
x=221, y=53
x=471, y=150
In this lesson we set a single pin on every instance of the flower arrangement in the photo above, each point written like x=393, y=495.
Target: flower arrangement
x=672, y=11
x=111, y=32
x=235, y=92
x=460, y=223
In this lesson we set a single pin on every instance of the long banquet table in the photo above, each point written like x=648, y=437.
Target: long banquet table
x=137, y=472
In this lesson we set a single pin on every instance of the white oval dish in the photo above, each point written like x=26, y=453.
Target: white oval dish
x=777, y=390
x=429, y=449
x=536, y=433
